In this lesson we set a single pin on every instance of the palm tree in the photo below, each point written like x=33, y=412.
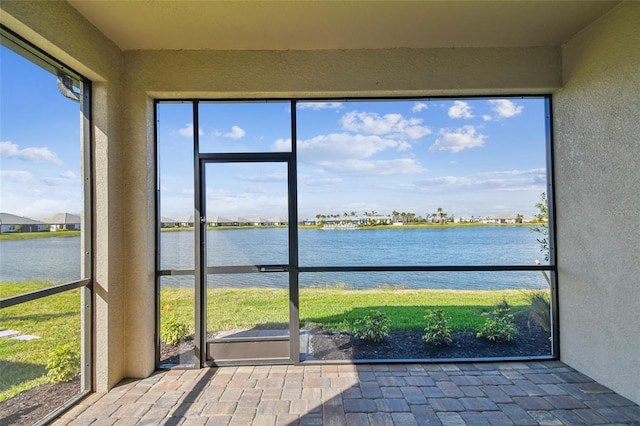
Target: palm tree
x=441, y=215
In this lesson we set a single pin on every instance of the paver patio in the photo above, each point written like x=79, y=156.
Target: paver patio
x=508, y=393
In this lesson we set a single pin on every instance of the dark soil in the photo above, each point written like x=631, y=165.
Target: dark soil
x=531, y=340
x=176, y=354
x=408, y=345
x=29, y=407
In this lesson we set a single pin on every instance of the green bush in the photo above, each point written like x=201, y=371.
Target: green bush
x=436, y=331
x=499, y=327
x=63, y=364
x=173, y=331
x=374, y=326
x=539, y=309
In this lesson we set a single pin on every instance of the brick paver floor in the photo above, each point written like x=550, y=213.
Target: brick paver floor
x=509, y=393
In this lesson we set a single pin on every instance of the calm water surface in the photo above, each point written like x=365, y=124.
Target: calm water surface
x=58, y=258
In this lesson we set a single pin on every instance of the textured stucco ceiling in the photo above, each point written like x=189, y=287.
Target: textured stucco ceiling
x=281, y=25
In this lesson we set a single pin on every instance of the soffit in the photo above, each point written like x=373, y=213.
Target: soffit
x=283, y=25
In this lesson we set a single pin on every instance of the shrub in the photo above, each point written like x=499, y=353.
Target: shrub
x=437, y=331
x=63, y=364
x=539, y=309
x=173, y=331
x=374, y=326
x=499, y=327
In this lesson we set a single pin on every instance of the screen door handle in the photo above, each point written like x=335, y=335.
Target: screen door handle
x=273, y=268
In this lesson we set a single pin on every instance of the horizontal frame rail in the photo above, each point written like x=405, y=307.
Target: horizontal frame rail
x=45, y=292
x=436, y=268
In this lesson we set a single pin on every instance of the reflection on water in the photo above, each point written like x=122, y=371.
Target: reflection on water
x=54, y=259
x=58, y=259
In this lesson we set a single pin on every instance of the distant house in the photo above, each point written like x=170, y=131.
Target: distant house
x=505, y=218
x=66, y=221
x=186, y=222
x=259, y=221
x=240, y=221
x=166, y=222
x=277, y=221
x=10, y=223
x=220, y=221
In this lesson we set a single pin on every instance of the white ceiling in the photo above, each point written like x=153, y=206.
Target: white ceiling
x=280, y=25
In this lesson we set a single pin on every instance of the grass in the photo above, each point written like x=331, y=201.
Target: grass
x=336, y=308
x=29, y=235
x=56, y=319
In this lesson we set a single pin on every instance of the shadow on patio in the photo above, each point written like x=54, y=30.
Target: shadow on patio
x=523, y=393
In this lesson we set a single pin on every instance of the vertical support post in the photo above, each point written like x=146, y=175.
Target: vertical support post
x=294, y=297
x=553, y=257
x=199, y=247
x=86, y=227
x=158, y=241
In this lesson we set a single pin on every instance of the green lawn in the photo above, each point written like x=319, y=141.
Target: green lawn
x=56, y=319
x=336, y=309
x=46, y=234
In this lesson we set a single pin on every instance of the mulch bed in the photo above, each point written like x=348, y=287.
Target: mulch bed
x=31, y=406
x=400, y=345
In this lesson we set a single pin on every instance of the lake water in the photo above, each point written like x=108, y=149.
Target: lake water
x=58, y=258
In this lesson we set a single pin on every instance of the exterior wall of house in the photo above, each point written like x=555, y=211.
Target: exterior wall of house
x=595, y=126
x=62, y=32
x=123, y=93
x=263, y=74
x=597, y=153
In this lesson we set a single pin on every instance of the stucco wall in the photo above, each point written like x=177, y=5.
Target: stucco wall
x=264, y=74
x=59, y=30
x=313, y=73
x=595, y=125
x=597, y=154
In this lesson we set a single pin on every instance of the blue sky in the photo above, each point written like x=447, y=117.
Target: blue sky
x=40, y=164
x=470, y=157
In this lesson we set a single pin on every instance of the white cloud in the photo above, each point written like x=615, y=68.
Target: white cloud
x=486, y=117
x=394, y=125
x=322, y=181
x=44, y=207
x=504, y=108
x=64, y=178
x=60, y=180
x=419, y=106
x=31, y=154
x=235, y=133
x=270, y=177
x=316, y=106
x=16, y=175
x=500, y=180
x=342, y=146
x=536, y=171
x=187, y=131
x=456, y=141
x=460, y=109
x=351, y=154
x=246, y=204
x=281, y=145
x=357, y=167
